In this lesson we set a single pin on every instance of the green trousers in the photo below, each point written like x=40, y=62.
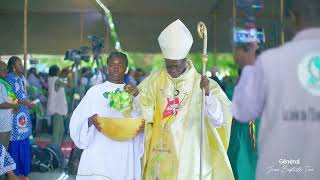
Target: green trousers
x=58, y=129
x=241, y=152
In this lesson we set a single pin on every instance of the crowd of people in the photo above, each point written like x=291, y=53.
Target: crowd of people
x=263, y=126
x=40, y=103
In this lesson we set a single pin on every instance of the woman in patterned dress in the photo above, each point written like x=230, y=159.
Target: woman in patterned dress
x=19, y=146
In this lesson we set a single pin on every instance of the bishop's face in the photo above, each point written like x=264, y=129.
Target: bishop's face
x=175, y=67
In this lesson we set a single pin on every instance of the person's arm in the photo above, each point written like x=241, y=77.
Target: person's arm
x=134, y=91
x=218, y=109
x=4, y=101
x=69, y=81
x=213, y=110
x=249, y=94
x=11, y=81
x=139, y=140
x=25, y=103
x=58, y=84
x=81, y=126
x=212, y=104
x=147, y=98
x=6, y=105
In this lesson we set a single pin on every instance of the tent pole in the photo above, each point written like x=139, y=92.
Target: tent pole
x=25, y=48
x=106, y=41
x=215, y=39
x=234, y=23
x=106, y=48
x=81, y=23
x=281, y=20
x=274, y=29
x=215, y=33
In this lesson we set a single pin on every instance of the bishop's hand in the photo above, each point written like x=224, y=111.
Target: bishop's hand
x=132, y=89
x=205, y=84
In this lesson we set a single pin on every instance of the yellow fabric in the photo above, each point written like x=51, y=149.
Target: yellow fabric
x=15, y=101
x=172, y=148
x=120, y=129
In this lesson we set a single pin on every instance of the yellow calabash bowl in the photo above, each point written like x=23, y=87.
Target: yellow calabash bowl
x=120, y=129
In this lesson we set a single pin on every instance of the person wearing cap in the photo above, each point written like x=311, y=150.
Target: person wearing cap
x=170, y=102
x=242, y=150
x=283, y=87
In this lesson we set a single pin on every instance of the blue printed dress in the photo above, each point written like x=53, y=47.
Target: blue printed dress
x=6, y=162
x=21, y=128
x=19, y=146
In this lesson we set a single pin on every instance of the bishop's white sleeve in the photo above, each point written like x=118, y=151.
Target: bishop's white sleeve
x=80, y=133
x=249, y=94
x=213, y=110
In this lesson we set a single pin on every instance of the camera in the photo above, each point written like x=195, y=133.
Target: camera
x=97, y=45
x=76, y=55
x=255, y=4
x=241, y=35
